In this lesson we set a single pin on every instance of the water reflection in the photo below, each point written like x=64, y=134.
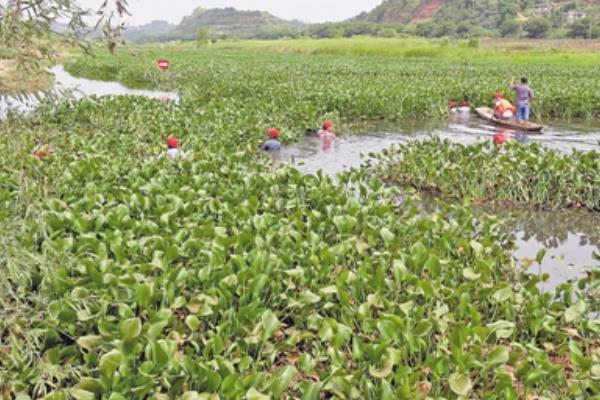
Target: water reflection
x=569, y=239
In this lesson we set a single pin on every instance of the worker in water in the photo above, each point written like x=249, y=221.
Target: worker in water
x=452, y=105
x=272, y=143
x=173, y=149
x=326, y=135
x=524, y=98
x=464, y=106
x=502, y=137
x=503, y=108
x=42, y=151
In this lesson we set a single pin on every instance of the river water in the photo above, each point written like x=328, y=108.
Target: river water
x=66, y=84
x=570, y=237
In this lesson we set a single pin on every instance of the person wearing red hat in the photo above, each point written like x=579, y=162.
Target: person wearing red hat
x=452, y=105
x=43, y=151
x=501, y=137
x=464, y=107
x=504, y=109
x=272, y=144
x=326, y=135
x=173, y=148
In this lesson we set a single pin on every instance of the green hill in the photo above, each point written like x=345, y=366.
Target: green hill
x=149, y=32
x=230, y=22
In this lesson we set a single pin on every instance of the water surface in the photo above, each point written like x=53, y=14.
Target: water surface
x=570, y=237
x=67, y=85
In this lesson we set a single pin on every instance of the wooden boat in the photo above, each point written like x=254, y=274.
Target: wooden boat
x=488, y=114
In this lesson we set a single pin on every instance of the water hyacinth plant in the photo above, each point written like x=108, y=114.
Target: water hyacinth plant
x=527, y=175
x=221, y=275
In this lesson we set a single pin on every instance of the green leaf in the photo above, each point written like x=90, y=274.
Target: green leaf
x=502, y=329
x=460, y=384
x=423, y=328
x=477, y=248
x=90, y=342
x=392, y=358
x=575, y=312
x=159, y=353
x=308, y=297
x=498, y=356
x=312, y=391
x=270, y=324
x=503, y=294
x=282, y=380
x=540, y=256
x=131, y=328
x=192, y=395
x=110, y=362
x=387, y=235
x=55, y=395
x=471, y=275
x=80, y=394
x=253, y=394
x=192, y=322
x=143, y=295
x=329, y=290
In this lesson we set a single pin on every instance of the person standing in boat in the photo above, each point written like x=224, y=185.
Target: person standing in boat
x=524, y=97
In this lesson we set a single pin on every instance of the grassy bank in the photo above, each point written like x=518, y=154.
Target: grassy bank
x=568, y=52
x=15, y=81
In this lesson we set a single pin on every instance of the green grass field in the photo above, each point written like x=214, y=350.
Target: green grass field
x=570, y=52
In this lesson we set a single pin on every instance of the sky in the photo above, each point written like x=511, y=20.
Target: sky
x=144, y=11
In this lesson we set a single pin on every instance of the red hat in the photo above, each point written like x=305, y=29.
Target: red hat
x=273, y=133
x=327, y=125
x=499, y=139
x=172, y=142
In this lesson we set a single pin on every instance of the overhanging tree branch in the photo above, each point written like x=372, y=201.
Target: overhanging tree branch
x=29, y=34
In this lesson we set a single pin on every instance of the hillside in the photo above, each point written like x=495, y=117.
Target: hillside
x=398, y=11
x=149, y=32
x=232, y=23
x=487, y=14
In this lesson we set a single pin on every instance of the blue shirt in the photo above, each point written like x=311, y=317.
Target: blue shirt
x=271, y=145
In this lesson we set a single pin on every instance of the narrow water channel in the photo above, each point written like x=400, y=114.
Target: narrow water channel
x=66, y=84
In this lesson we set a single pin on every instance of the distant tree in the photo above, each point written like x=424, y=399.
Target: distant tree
x=425, y=29
x=463, y=29
x=445, y=29
x=511, y=28
x=202, y=37
x=583, y=28
x=387, y=32
x=507, y=10
x=537, y=27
